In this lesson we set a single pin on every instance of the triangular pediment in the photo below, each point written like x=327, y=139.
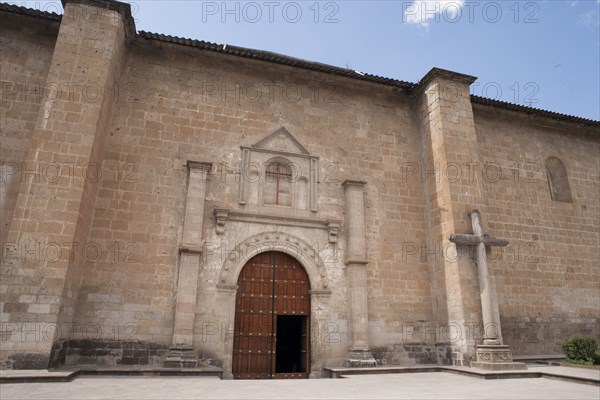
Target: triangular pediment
x=281, y=140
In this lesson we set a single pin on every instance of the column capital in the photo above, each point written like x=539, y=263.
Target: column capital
x=350, y=184
x=191, y=248
x=201, y=165
x=231, y=289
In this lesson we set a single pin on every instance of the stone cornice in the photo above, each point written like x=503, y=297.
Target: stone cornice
x=279, y=152
x=223, y=216
x=354, y=260
x=354, y=184
x=193, y=164
x=439, y=73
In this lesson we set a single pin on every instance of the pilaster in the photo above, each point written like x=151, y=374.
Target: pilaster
x=359, y=354
x=449, y=169
x=181, y=353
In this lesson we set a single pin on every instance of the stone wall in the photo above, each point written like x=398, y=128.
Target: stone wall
x=26, y=53
x=363, y=131
x=547, y=278
x=45, y=247
x=429, y=156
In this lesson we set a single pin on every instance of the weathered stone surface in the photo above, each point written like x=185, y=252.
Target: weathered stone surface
x=55, y=209
x=429, y=155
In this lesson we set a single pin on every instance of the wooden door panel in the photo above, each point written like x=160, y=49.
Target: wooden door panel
x=253, y=314
x=270, y=284
x=305, y=343
x=292, y=287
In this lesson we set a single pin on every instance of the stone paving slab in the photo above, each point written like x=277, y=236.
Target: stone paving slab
x=434, y=385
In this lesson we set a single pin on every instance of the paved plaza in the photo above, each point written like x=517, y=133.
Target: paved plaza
x=438, y=385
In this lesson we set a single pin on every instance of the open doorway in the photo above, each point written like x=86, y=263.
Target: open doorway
x=291, y=355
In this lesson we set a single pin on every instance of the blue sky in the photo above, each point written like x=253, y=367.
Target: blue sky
x=540, y=53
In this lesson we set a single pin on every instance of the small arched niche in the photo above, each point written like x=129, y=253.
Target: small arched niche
x=558, y=181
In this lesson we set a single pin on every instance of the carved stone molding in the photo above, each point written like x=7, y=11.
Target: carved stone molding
x=227, y=288
x=354, y=184
x=494, y=353
x=496, y=357
x=333, y=230
x=201, y=165
x=275, y=241
x=299, y=149
x=221, y=216
x=357, y=261
x=243, y=171
x=191, y=249
x=283, y=147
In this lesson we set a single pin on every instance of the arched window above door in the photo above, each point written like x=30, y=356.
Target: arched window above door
x=278, y=171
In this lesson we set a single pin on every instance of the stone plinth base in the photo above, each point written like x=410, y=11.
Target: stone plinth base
x=181, y=357
x=496, y=357
x=360, y=359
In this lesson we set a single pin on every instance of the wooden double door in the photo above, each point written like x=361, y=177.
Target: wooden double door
x=272, y=319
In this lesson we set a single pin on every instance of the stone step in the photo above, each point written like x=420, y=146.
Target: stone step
x=69, y=373
x=181, y=357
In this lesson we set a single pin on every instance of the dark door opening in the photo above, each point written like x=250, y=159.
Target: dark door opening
x=289, y=349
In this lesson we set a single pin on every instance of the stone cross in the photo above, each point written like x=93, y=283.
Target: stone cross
x=489, y=302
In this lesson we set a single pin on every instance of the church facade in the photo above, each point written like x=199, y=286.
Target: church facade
x=172, y=202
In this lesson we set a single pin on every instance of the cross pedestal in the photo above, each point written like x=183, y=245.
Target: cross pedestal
x=492, y=354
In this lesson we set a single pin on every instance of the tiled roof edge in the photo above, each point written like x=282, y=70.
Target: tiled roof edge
x=315, y=66
x=309, y=65
x=276, y=58
x=532, y=110
x=30, y=12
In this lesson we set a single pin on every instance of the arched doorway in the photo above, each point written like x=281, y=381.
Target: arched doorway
x=272, y=319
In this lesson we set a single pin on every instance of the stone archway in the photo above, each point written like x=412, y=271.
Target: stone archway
x=306, y=255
